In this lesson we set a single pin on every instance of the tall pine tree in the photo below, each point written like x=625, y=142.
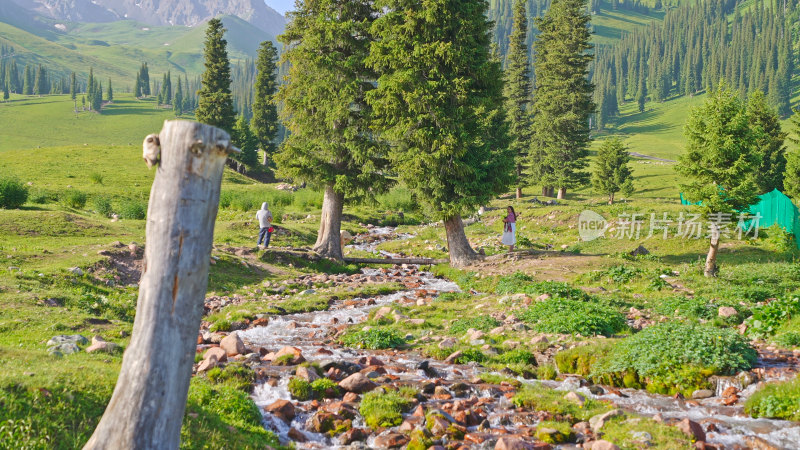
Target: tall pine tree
x=73, y=86
x=216, y=103
x=518, y=90
x=265, y=114
x=439, y=102
x=791, y=178
x=177, y=104
x=562, y=101
x=769, y=174
x=110, y=92
x=27, y=87
x=330, y=144
x=611, y=172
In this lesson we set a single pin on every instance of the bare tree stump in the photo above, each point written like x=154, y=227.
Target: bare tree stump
x=147, y=407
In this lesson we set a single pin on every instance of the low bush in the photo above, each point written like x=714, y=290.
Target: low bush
x=102, y=206
x=374, y=339
x=692, y=308
x=482, y=323
x=521, y=283
x=13, y=194
x=540, y=398
x=384, y=409
x=325, y=388
x=517, y=356
x=300, y=389
x=766, y=319
x=96, y=178
x=676, y=356
x=580, y=360
x=133, y=209
x=235, y=374
x=564, y=316
x=776, y=400
x=73, y=199
x=618, y=274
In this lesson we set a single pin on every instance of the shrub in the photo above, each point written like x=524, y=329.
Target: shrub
x=768, y=318
x=521, y=283
x=300, y=389
x=693, y=308
x=102, y=206
x=96, y=178
x=678, y=354
x=483, y=323
x=374, y=339
x=776, y=400
x=383, y=409
x=559, y=315
x=235, y=374
x=517, y=356
x=74, y=199
x=546, y=372
x=541, y=398
x=471, y=355
x=133, y=209
x=325, y=388
x=620, y=274
x=13, y=194
x=580, y=360
x=40, y=196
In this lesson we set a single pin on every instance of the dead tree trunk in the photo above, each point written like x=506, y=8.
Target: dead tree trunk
x=461, y=253
x=328, y=239
x=147, y=407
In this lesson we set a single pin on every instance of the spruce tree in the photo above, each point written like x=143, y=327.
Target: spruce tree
x=97, y=97
x=562, y=101
x=110, y=92
x=439, y=102
x=6, y=93
x=265, y=114
x=145, y=76
x=330, y=144
x=641, y=92
x=246, y=141
x=791, y=179
x=137, y=89
x=39, y=81
x=216, y=103
x=27, y=87
x=769, y=174
x=177, y=104
x=720, y=161
x=611, y=172
x=518, y=91
x=73, y=86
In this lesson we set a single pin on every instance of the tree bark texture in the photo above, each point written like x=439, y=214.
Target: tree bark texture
x=461, y=253
x=519, y=181
x=711, y=259
x=562, y=193
x=328, y=239
x=147, y=407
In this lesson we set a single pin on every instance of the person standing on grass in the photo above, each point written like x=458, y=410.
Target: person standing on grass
x=510, y=229
x=264, y=217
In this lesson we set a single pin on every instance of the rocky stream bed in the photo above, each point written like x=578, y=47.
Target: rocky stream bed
x=467, y=412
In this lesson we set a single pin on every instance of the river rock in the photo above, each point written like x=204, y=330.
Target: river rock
x=232, y=344
x=390, y=440
x=757, y=443
x=540, y=339
x=207, y=364
x=726, y=311
x=382, y=312
x=453, y=357
x=216, y=352
x=437, y=425
x=515, y=443
x=692, y=429
x=282, y=409
x=63, y=349
x=603, y=445
x=702, y=393
x=297, y=435
x=447, y=343
x=307, y=373
x=597, y=422
x=357, y=383
x=353, y=435
x=297, y=356
x=67, y=339
x=101, y=345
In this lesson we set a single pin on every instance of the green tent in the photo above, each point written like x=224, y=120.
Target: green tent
x=776, y=208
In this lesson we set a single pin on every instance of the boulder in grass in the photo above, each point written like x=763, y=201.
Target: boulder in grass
x=232, y=344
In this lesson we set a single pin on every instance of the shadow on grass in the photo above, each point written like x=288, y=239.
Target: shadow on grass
x=729, y=257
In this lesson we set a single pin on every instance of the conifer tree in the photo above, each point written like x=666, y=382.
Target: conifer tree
x=245, y=140
x=518, y=91
x=216, y=103
x=145, y=78
x=562, y=101
x=73, y=86
x=769, y=174
x=160, y=99
x=330, y=144
x=6, y=94
x=791, y=179
x=177, y=104
x=110, y=92
x=641, y=92
x=265, y=114
x=137, y=89
x=720, y=161
x=97, y=96
x=39, y=82
x=611, y=172
x=439, y=102
x=13, y=78
x=27, y=87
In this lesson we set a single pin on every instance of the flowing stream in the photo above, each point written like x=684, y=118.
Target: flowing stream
x=308, y=331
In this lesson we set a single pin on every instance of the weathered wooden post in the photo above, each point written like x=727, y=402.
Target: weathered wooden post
x=147, y=407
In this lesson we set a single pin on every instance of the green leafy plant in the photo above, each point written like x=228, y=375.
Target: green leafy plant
x=300, y=389
x=74, y=199
x=133, y=209
x=776, y=400
x=13, y=194
x=559, y=315
x=521, y=283
x=96, y=178
x=483, y=323
x=102, y=206
x=767, y=318
x=374, y=339
x=325, y=388
x=383, y=409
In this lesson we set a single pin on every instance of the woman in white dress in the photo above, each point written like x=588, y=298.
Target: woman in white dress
x=510, y=229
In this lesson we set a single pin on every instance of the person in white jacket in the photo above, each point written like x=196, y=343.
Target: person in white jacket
x=264, y=217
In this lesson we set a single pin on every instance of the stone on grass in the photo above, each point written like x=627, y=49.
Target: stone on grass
x=447, y=343
x=726, y=311
x=357, y=383
x=574, y=397
x=208, y=364
x=67, y=339
x=216, y=352
x=101, y=345
x=232, y=344
x=453, y=357
x=597, y=422
x=603, y=445
x=692, y=429
x=307, y=373
x=282, y=358
x=63, y=349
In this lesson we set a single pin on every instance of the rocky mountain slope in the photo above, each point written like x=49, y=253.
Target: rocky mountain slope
x=158, y=12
